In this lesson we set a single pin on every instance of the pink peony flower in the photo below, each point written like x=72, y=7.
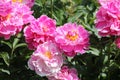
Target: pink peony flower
x=108, y=19
x=117, y=42
x=40, y=31
x=12, y=18
x=7, y=31
x=46, y=60
x=72, y=38
x=104, y=2
x=5, y=9
x=65, y=74
x=21, y=15
x=28, y=3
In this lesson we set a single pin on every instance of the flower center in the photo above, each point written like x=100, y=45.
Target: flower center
x=17, y=1
x=44, y=28
x=72, y=35
x=48, y=54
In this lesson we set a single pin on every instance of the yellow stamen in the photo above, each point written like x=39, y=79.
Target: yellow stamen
x=17, y=1
x=48, y=54
x=72, y=37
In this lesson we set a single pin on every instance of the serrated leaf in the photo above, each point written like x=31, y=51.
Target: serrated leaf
x=5, y=57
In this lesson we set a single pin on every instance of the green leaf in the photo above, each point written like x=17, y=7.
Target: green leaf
x=39, y=2
x=94, y=51
x=5, y=71
x=75, y=17
x=7, y=43
x=5, y=57
x=16, y=40
x=21, y=45
x=105, y=60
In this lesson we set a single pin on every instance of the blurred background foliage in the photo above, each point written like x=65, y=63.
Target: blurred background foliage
x=101, y=61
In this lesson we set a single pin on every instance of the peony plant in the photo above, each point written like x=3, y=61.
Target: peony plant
x=65, y=40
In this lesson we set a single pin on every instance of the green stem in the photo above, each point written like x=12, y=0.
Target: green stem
x=16, y=40
x=109, y=56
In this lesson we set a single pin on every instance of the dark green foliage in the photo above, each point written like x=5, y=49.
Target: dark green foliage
x=101, y=61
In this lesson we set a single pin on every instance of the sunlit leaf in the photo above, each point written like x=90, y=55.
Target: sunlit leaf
x=7, y=43
x=5, y=71
x=21, y=45
x=5, y=57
